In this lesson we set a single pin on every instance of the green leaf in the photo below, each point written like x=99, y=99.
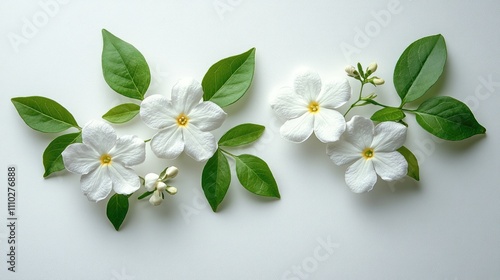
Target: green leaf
x=124, y=68
x=44, y=114
x=215, y=179
x=448, y=118
x=419, y=67
x=122, y=113
x=241, y=135
x=388, y=114
x=229, y=79
x=117, y=209
x=413, y=169
x=254, y=174
x=360, y=70
x=52, y=158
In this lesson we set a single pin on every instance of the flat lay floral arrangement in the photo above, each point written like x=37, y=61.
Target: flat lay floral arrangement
x=370, y=147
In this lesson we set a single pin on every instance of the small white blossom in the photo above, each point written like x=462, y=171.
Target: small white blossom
x=351, y=71
x=378, y=81
x=153, y=183
x=183, y=122
x=309, y=106
x=103, y=160
x=370, y=150
x=371, y=68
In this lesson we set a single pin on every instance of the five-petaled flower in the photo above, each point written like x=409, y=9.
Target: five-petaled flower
x=370, y=150
x=309, y=106
x=104, y=161
x=183, y=122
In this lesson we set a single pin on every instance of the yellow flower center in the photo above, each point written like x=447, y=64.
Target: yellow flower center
x=182, y=120
x=313, y=107
x=368, y=153
x=106, y=159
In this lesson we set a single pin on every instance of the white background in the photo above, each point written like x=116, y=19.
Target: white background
x=447, y=226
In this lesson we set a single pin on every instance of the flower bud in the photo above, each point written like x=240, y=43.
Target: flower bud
x=156, y=198
x=171, y=190
x=371, y=68
x=378, y=81
x=160, y=186
x=351, y=71
x=150, y=181
x=171, y=172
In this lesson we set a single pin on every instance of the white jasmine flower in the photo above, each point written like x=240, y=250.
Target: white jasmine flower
x=183, y=122
x=103, y=160
x=308, y=107
x=370, y=150
x=153, y=183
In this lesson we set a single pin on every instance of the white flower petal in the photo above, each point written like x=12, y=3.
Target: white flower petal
x=342, y=152
x=150, y=181
x=288, y=105
x=80, y=158
x=359, y=132
x=335, y=94
x=361, y=176
x=96, y=185
x=186, y=93
x=308, y=85
x=389, y=136
x=207, y=116
x=129, y=150
x=299, y=129
x=156, y=198
x=158, y=112
x=328, y=125
x=390, y=166
x=168, y=143
x=198, y=144
x=99, y=135
x=125, y=180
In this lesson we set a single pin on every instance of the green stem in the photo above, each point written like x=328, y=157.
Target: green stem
x=355, y=104
x=228, y=153
x=376, y=103
x=147, y=140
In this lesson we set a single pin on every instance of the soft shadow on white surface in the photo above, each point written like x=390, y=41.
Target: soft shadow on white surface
x=443, y=227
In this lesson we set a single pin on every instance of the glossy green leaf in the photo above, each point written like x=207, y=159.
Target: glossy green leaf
x=254, y=174
x=44, y=114
x=241, y=135
x=419, y=67
x=52, y=158
x=124, y=68
x=122, y=113
x=117, y=209
x=388, y=114
x=413, y=169
x=215, y=179
x=448, y=118
x=229, y=79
